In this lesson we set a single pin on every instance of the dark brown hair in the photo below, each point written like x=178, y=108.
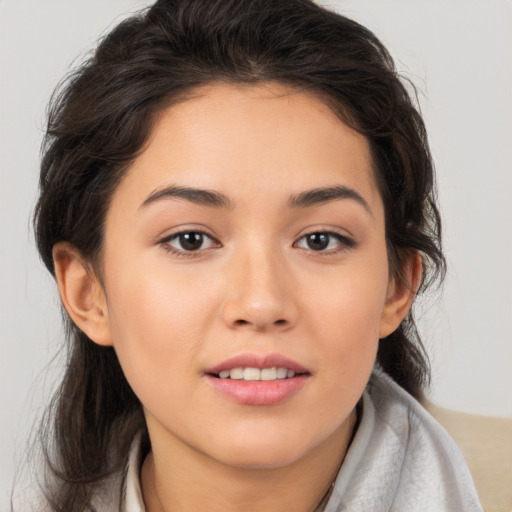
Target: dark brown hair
x=100, y=120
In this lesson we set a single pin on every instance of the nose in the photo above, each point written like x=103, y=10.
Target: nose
x=260, y=294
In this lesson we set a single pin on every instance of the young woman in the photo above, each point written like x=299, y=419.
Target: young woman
x=237, y=204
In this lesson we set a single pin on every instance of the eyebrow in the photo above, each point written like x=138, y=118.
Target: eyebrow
x=214, y=199
x=318, y=196
x=198, y=196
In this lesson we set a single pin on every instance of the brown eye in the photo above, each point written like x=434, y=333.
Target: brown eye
x=191, y=241
x=188, y=242
x=325, y=241
x=317, y=241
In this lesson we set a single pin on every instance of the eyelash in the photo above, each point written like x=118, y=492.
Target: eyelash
x=183, y=253
x=345, y=243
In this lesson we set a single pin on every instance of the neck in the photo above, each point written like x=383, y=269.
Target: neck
x=173, y=483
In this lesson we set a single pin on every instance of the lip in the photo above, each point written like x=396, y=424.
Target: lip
x=271, y=392
x=259, y=361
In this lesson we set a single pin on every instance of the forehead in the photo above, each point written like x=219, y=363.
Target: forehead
x=247, y=140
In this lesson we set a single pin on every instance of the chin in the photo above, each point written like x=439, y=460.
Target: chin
x=263, y=452
x=259, y=460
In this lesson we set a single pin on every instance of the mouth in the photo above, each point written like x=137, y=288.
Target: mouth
x=253, y=379
x=257, y=374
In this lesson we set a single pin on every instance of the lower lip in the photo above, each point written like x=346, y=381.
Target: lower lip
x=258, y=392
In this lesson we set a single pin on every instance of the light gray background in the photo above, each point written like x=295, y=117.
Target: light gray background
x=457, y=52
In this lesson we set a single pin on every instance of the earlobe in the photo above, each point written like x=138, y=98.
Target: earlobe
x=400, y=296
x=81, y=293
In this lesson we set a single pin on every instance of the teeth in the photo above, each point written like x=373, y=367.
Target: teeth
x=251, y=374
x=236, y=373
x=281, y=373
x=268, y=374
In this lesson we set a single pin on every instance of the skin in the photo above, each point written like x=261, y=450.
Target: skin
x=254, y=286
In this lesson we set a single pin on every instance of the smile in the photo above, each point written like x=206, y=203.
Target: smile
x=254, y=374
x=258, y=379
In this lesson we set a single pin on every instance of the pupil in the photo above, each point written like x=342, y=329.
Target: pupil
x=191, y=241
x=318, y=241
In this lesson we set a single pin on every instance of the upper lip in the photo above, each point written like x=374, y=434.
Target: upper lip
x=260, y=361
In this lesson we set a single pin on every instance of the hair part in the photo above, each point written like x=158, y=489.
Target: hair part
x=100, y=121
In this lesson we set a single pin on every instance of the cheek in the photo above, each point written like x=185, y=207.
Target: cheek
x=348, y=336
x=351, y=300
x=155, y=327
x=152, y=302
x=345, y=315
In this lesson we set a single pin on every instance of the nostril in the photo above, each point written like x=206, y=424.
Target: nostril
x=241, y=322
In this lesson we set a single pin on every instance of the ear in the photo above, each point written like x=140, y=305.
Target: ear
x=81, y=293
x=400, y=296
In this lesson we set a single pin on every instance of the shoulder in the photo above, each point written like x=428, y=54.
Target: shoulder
x=486, y=443
x=401, y=459
x=121, y=492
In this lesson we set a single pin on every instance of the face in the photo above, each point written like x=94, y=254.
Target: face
x=247, y=243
